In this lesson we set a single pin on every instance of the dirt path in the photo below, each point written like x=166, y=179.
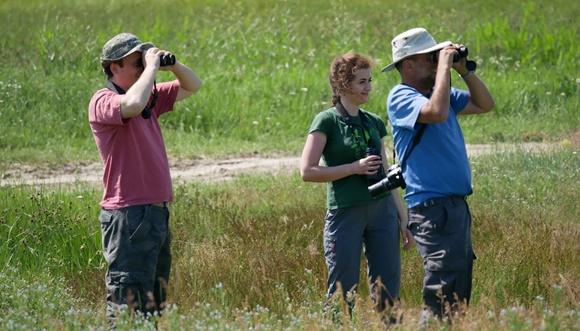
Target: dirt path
x=200, y=170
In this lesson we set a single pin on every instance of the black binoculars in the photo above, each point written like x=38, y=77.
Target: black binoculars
x=461, y=52
x=167, y=60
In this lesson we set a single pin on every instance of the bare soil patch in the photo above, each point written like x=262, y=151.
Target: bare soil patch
x=209, y=169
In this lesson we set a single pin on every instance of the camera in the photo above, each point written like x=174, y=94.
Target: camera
x=392, y=180
x=371, y=179
x=167, y=60
x=461, y=52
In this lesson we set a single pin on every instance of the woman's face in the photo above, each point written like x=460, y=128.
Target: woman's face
x=360, y=87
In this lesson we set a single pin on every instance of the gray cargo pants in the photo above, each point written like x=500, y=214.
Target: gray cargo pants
x=374, y=226
x=442, y=231
x=137, y=247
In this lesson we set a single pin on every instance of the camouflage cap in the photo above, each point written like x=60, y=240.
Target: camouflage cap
x=120, y=46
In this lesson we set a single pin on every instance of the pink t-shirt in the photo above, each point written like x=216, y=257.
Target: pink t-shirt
x=132, y=150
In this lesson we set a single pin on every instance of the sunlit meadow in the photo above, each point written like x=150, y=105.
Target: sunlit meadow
x=248, y=253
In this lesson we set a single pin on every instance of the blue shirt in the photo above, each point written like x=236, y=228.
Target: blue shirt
x=438, y=165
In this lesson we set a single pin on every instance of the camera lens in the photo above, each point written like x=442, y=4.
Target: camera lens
x=393, y=180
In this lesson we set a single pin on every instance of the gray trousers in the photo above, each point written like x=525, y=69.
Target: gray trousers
x=375, y=227
x=137, y=247
x=442, y=231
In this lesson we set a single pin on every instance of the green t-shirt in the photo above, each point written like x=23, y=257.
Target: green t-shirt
x=343, y=147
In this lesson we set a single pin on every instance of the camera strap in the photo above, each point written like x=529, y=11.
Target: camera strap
x=146, y=113
x=416, y=141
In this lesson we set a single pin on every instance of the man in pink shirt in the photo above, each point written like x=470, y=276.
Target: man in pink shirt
x=134, y=216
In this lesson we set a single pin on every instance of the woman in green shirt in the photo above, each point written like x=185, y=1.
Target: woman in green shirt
x=345, y=137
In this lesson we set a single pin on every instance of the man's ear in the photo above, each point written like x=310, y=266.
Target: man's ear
x=406, y=65
x=114, y=68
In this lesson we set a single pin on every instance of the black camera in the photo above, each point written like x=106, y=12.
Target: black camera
x=461, y=52
x=167, y=60
x=393, y=179
x=380, y=174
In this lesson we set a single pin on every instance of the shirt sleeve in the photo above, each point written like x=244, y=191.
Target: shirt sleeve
x=322, y=122
x=105, y=108
x=404, y=106
x=459, y=99
x=167, y=94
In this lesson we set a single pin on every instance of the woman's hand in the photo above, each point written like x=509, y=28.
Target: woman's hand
x=407, y=238
x=367, y=166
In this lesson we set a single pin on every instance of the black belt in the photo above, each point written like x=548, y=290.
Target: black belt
x=160, y=204
x=453, y=199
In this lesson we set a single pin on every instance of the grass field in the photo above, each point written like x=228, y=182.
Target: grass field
x=248, y=253
x=264, y=66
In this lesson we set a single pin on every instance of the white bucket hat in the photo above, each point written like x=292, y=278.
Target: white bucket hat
x=412, y=42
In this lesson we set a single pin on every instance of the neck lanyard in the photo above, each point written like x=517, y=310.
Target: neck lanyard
x=365, y=126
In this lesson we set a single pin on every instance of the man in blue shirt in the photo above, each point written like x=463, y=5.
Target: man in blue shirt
x=436, y=168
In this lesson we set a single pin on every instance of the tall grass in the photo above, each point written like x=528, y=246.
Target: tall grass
x=264, y=67
x=248, y=253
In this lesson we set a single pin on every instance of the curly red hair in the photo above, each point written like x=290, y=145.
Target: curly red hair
x=343, y=71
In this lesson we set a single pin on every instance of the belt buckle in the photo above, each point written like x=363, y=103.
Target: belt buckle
x=428, y=203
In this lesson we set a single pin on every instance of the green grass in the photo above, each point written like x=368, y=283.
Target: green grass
x=247, y=253
x=264, y=67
